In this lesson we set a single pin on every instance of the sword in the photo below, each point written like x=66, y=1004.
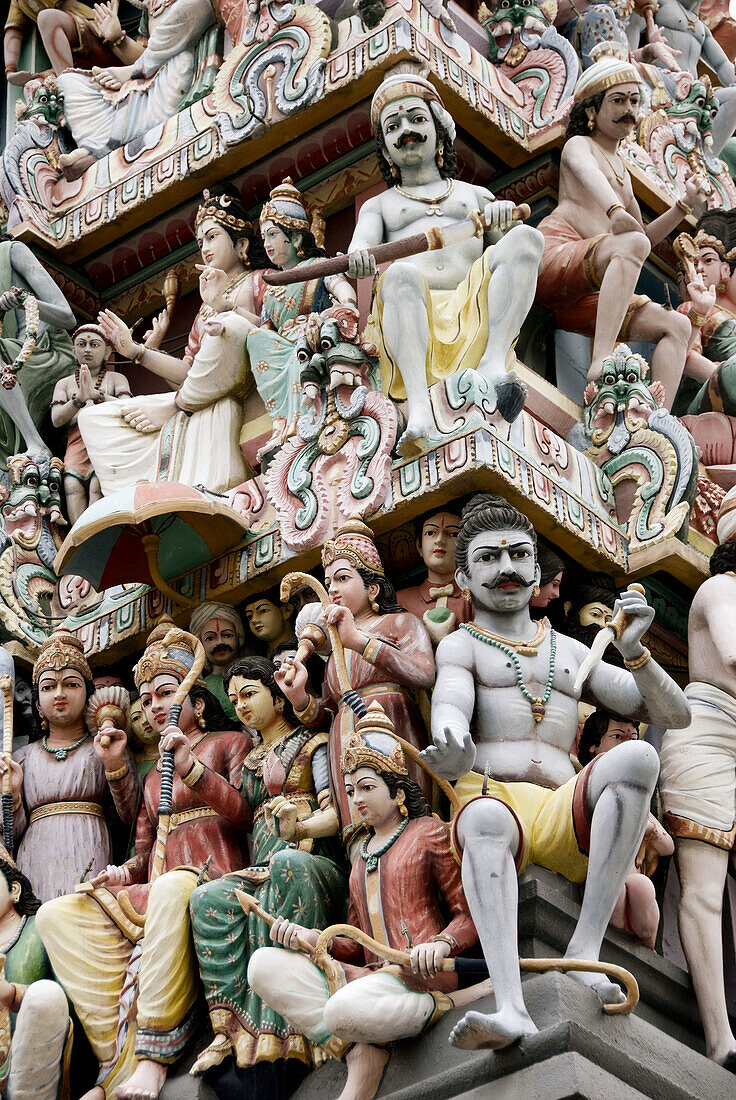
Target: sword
x=429, y=241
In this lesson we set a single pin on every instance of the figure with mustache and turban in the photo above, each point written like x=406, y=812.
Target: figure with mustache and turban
x=439, y=312
x=221, y=631
x=505, y=706
x=595, y=243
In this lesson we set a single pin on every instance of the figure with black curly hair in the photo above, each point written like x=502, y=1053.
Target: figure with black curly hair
x=405, y=891
x=441, y=311
x=698, y=783
x=504, y=718
x=298, y=872
x=388, y=655
x=191, y=433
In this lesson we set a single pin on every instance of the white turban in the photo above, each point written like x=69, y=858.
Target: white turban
x=207, y=611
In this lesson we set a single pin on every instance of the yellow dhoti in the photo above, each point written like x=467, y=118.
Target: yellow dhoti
x=554, y=825
x=458, y=328
x=97, y=965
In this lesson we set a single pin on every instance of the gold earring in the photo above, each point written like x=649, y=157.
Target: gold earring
x=393, y=169
x=374, y=605
x=722, y=286
x=467, y=595
x=536, y=590
x=591, y=124
x=440, y=156
x=44, y=723
x=403, y=810
x=201, y=722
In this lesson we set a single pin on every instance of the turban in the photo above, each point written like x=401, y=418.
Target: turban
x=207, y=611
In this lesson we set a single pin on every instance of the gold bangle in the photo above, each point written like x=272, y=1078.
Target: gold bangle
x=370, y=651
x=615, y=206
x=119, y=773
x=638, y=662
x=138, y=357
x=683, y=207
x=309, y=712
x=445, y=937
x=118, y=41
x=194, y=774
x=697, y=319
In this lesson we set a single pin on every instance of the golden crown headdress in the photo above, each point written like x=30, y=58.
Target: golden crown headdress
x=62, y=650
x=286, y=208
x=372, y=745
x=354, y=541
x=176, y=658
x=216, y=207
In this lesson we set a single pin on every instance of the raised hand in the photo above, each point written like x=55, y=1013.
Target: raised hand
x=452, y=754
x=640, y=617
x=111, y=754
x=16, y=774
x=173, y=740
x=117, y=332
x=107, y=23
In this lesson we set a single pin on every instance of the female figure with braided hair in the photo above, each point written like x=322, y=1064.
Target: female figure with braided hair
x=388, y=654
x=298, y=872
x=289, y=238
x=404, y=879
x=193, y=434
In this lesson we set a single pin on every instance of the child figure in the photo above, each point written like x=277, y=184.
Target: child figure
x=91, y=383
x=636, y=910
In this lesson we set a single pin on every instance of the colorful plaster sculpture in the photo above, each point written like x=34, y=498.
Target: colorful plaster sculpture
x=551, y=573
x=269, y=621
x=290, y=236
x=142, y=738
x=297, y=872
x=405, y=883
x=39, y=128
x=686, y=32
x=60, y=783
x=388, y=651
x=459, y=307
x=34, y=1014
x=122, y=948
x=595, y=242
x=221, y=631
x=511, y=682
x=716, y=14
x=24, y=406
x=620, y=21
x=91, y=384
x=110, y=107
x=73, y=35
x=636, y=910
x=339, y=462
x=191, y=435
x=697, y=786
x=437, y=601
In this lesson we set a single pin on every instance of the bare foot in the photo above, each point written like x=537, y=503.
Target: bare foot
x=20, y=78
x=724, y=1055
x=145, y=1084
x=76, y=163
x=365, y=1069
x=421, y=424
x=213, y=1055
x=97, y=1093
x=609, y=992
x=495, y=1030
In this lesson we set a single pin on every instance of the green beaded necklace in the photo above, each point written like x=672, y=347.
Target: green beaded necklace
x=63, y=752
x=371, y=858
x=539, y=706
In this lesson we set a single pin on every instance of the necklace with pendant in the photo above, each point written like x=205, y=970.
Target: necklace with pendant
x=624, y=169
x=432, y=204
x=371, y=858
x=537, y=703
x=62, y=752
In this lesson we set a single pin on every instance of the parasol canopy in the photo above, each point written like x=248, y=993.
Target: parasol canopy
x=149, y=533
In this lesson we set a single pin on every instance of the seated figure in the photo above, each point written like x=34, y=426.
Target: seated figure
x=512, y=683
x=441, y=311
x=403, y=878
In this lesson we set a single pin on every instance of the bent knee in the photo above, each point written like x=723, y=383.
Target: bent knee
x=46, y=1000
x=488, y=819
x=524, y=243
x=171, y=888
x=51, y=916
x=636, y=762
x=264, y=962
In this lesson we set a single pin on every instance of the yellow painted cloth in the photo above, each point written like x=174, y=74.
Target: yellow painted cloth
x=90, y=957
x=458, y=328
x=545, y=819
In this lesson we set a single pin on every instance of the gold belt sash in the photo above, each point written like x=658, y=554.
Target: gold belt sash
x=191, y=815
x=52, y=808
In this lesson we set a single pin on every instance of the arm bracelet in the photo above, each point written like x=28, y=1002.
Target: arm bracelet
x=638, y=662
x=138, y=357
x=118, y=41
x=615, y=206
x=194, y=774
x=683, y=207
x=370, y=650
x=119, y=773
x=697, y=320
